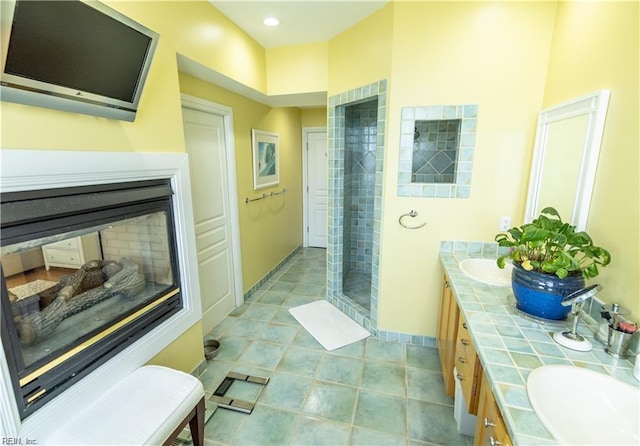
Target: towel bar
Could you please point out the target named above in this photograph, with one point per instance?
(265, 195)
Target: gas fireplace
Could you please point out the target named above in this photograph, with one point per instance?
(86, 271)
(95, 270)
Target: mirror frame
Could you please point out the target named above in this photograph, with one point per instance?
(594, 105)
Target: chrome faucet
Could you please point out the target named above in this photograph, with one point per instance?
(572, 339)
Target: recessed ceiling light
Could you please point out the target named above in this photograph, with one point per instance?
(271, 21)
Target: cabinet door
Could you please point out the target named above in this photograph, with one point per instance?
(447, 331)
(490, 430)
(468, 367)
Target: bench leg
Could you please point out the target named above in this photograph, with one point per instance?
(196, 425)
(195, 419)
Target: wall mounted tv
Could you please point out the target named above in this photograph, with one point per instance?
(76, 56)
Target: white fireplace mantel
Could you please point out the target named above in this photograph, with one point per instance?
(22, 170)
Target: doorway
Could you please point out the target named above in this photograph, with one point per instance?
(208, 130)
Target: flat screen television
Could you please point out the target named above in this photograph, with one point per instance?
(76, 56)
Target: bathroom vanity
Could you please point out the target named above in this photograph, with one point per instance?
(495, 347)
(456, 349)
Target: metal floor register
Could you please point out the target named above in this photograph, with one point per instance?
(219, 400)
(234, 404)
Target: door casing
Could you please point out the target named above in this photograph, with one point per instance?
(234, 216)
(305, 180)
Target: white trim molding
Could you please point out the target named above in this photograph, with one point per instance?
(230, 150)
(305, 180)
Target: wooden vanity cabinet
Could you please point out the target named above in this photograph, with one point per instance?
(447, 334)
(456, 349)
(468, 367)
(490, 429)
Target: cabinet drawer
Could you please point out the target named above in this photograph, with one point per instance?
(62, 256)
(69, 244)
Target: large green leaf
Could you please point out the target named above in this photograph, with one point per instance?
(549, 245)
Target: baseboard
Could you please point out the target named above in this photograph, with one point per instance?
(270, 274)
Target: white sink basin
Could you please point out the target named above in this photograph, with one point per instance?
(579, 406)
(486, 271)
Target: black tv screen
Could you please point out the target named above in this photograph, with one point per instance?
(85, 52)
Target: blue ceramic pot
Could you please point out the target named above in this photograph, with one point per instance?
(540, 294)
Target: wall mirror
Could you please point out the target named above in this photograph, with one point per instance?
(436, 151)
(565, 158)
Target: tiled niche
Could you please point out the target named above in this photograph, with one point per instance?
(436, 151)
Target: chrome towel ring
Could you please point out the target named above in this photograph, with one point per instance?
(412, 213)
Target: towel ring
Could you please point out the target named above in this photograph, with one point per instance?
(412, 213)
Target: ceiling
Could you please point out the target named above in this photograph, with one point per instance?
(301, 21)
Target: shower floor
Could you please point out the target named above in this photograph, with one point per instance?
(357, 287)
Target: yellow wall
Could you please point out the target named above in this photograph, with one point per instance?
(491, 54)
(185, 353)
(314, 117)
(595, 46)
(270, 229)
(361, 55)
(202, 33)
(194, 29)
(157, 128)
(297, 69)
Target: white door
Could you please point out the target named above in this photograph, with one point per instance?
(206, 146)
(317, 188)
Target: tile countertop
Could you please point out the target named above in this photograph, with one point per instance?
(510, 344)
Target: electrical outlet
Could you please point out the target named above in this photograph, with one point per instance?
(505, 223)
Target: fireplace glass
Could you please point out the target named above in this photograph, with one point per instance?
(80, 289)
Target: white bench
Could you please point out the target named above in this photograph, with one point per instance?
(149, 407)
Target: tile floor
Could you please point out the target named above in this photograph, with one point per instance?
(367, 393)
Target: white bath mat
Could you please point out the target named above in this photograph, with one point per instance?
(328, 325)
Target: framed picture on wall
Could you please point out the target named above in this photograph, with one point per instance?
(266, 159)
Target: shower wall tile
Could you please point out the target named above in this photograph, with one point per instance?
(359, 213)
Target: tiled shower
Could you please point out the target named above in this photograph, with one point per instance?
(357, 120)
(359, 189)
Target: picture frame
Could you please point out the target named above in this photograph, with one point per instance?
(266, 158)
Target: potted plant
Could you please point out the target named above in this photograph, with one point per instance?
(551, 260)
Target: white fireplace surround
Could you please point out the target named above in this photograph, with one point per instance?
(22, 170)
